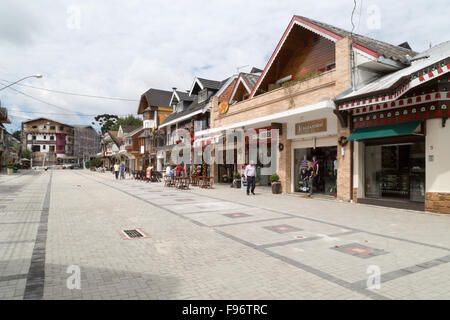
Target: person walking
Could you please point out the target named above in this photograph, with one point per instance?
(116, 170)
(122, 171)
(250, 173)
(178, 170)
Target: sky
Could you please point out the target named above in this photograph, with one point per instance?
(122, 48)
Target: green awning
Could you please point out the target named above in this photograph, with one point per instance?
(389, 130)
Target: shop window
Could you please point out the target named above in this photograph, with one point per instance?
(325, 181)
(395, 171)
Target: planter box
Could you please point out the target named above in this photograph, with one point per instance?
(276, 187)
(237, 183)
(10, 171)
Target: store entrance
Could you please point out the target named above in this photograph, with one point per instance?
(325, 182)
(395, 171)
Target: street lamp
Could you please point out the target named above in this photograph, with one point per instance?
(33, 76)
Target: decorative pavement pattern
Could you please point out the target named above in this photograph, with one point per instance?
(208, 244)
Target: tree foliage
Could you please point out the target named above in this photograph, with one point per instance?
(96, 162)
(27, 154)
(129, 120)
(17, 134)
(106, 121)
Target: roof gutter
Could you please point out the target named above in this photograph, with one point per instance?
(180, 119)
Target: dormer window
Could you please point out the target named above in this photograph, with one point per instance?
(203, 95)
(180, 106)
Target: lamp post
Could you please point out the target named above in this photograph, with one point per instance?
(11, 84)
(38, 76)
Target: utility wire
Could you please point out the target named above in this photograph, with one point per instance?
(67, 114)
(71, 113)
(73, 93)
(351, 19)
(42, 101)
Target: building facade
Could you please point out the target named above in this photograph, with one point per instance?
(51, 142)
(87, 142)
(310, 66)
(399, 135)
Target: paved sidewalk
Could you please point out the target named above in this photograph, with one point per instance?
(210, 244)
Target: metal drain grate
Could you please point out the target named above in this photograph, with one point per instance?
(133, 233)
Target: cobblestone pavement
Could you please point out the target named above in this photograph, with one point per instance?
(208, 244)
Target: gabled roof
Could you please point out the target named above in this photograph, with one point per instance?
(206, 83)
(370, 46)
(128, 129)
(32, 120)
(210, 84)
(114, 137)
(180, 96)
(145, 134)
(155, 98)
(247, 80)
(430, 57)
(380, 48)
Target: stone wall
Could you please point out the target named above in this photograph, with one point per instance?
(438, 202)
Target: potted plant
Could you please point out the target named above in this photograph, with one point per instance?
(237, 180)
(9, 168)
(276, 184)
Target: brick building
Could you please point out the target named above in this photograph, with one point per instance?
(310, 66)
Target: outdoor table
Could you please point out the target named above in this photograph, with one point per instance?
(205, 182)
(182, 182)
(194, 180)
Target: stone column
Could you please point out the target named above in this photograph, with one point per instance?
(284, 162)
(345, 174)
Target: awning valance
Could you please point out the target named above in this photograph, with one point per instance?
(389, 130)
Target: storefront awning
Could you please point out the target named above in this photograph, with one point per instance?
(265, 120)
(389, 130)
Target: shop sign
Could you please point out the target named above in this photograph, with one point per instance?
(313, 126)
(223, 107)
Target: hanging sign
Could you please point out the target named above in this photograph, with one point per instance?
(313, 126)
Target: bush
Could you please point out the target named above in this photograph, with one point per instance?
(10, 165)
(96, 162)
(274, 178)
(237, 176)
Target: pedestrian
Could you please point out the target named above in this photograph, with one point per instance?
(148, 172)
(122, 171)
(116, 170)
(250, 173)
(178, 170)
